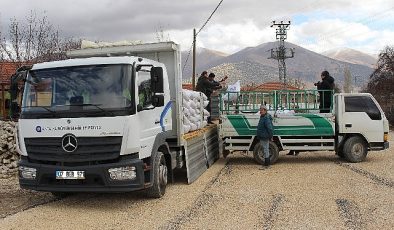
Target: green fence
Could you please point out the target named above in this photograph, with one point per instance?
(300, 101)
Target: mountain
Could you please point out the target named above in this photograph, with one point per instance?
(203, 58)
(351, 56)
(252, 65)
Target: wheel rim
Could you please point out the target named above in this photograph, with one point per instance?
(163, 174)
(358, 149)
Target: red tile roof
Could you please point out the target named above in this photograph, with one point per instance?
(269, 86)
(187, 86)
(7, 68)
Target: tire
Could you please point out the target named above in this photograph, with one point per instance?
(355, 149)
(340, 153)
(160, 177)
(258, 153)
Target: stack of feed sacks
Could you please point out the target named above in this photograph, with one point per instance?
(9, 157)
(195, 115)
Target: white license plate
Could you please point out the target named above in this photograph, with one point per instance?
(70, 175)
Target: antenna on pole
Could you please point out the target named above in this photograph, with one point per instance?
(281, 53)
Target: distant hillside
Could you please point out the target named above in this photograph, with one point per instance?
(252, 65)
(204, 58)
(247, 72)
(351, 56)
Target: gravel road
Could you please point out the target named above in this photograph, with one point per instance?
(310, 191)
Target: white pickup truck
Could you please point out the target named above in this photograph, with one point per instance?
(355, 124)
(109, 120)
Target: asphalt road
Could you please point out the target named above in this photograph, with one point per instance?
(314, 190)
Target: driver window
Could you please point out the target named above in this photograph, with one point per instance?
(144, 89)
(41, 95)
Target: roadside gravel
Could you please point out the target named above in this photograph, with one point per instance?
(315, 190)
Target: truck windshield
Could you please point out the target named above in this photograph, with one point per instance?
(94, 90)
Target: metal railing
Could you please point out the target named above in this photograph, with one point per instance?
(299, 101)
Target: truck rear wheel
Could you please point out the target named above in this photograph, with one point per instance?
(355, 149)
(160, 177)
(258, 154)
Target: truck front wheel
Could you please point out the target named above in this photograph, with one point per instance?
(160, 177)
(355, 149)
(258, 154)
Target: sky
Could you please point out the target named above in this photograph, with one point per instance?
(320, 25)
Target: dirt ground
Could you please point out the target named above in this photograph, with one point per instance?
(315, 190)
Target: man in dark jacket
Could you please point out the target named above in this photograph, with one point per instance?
(326, 86)
(265, 132)
(206, 86)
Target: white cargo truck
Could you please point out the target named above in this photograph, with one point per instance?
(354, 125)
(109, 119)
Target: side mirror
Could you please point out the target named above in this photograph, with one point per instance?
(158, 100)
(19, 76)
(157, 81)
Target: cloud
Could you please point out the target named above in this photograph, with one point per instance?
(325, 35)
(317, 24)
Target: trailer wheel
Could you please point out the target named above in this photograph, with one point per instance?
(160, 177)
(259, 156)
(355, 149)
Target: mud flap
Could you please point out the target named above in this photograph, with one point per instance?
(201, 151)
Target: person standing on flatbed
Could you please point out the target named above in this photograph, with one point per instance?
(325, 88)
(206, 86)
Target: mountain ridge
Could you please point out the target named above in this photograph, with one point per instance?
(252, 64)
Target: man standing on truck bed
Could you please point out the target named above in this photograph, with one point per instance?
(265, 133)
(206, 86)
(325, 85)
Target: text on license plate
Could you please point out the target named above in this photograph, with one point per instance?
(70, 174)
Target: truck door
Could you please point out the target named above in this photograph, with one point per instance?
(148, 115)
(362, 114)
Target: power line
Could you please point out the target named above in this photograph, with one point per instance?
(209, 18)
(202, 27)
(187, 57)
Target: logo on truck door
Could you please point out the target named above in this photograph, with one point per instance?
(69, 143)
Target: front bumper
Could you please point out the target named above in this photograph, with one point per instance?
(96, 177)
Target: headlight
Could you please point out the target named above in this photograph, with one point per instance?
(122, 173)
(27, 173)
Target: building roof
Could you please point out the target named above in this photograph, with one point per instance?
(7, 69)
(269, 86)
(187, 86)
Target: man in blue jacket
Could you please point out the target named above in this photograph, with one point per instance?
(265, 132)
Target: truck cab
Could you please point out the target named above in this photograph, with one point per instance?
(361, 125)
(95, 124)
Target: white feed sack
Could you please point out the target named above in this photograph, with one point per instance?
(195, 115)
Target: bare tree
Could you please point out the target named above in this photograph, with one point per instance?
(34, 40)
(347, 85)
(297, 83)
(161, 35)
(381, 82)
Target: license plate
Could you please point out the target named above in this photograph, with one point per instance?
(70, 175)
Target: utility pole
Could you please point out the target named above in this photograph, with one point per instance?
(281, 53)
(194, 60)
